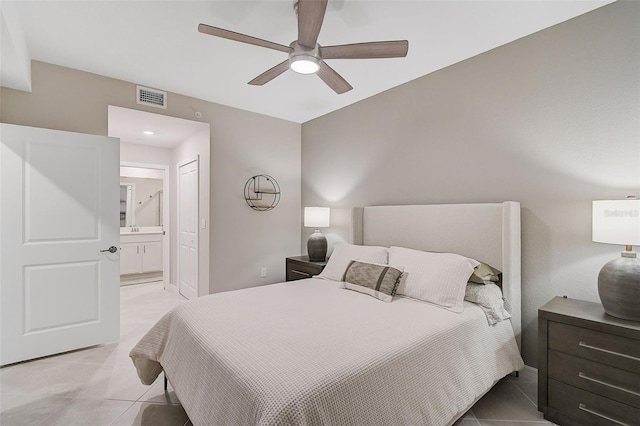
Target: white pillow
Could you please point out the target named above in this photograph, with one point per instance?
(344, 253)
(437, 278)
(489, 298)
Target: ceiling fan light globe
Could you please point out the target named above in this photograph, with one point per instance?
(304, 65)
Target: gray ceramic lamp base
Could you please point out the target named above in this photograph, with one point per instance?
(619, 287)
(317, 247)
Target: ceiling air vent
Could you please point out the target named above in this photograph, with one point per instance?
(151, 97)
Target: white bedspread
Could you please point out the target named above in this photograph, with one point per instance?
(309, 353)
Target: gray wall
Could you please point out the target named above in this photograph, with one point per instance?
(551, 120)
(242, 143)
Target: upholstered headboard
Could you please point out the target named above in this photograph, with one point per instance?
(488, 232)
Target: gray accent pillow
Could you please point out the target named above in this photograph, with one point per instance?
(485, 274)
(489, 298)
(379, 281)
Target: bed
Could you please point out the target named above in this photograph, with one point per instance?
(309, 352)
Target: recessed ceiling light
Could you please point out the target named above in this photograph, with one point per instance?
(148, 132)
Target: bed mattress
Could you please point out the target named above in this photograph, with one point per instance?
(309, 353)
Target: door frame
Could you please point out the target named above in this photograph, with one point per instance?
(195, 159)
(166, 216)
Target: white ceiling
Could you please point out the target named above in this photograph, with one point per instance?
(129, 125)
(156, 44)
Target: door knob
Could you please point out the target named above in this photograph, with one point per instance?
(111, 249)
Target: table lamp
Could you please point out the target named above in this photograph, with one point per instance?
(316, 217)
(618, 222)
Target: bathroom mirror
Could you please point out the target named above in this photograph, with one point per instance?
(140, 201)
(126, 205)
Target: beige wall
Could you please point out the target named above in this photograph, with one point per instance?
(241, 142)
(248, 239)
(551, 120)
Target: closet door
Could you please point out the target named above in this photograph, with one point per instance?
(188, 228)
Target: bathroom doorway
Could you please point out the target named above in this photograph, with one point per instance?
(158, 141)
(144, 223)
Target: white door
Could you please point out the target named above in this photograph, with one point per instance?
(188, 228)
(59, 193)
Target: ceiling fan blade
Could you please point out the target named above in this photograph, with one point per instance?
(374, 49)
(243, 38)
(269, 75)
(333, 79)
(310, 17)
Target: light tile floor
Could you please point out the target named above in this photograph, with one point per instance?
(99, 386)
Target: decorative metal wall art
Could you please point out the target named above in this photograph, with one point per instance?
(262, 192)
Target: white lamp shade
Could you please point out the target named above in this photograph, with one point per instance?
(316, 217)
(616, 222)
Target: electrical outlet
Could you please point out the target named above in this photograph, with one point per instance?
(263, 272)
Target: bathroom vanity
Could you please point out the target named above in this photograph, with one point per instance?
(140, 250)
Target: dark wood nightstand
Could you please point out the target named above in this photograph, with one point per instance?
(300, 267)
(589, 365)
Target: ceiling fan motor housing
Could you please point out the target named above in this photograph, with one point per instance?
(303, 59)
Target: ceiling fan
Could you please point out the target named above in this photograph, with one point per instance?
(306, 56)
